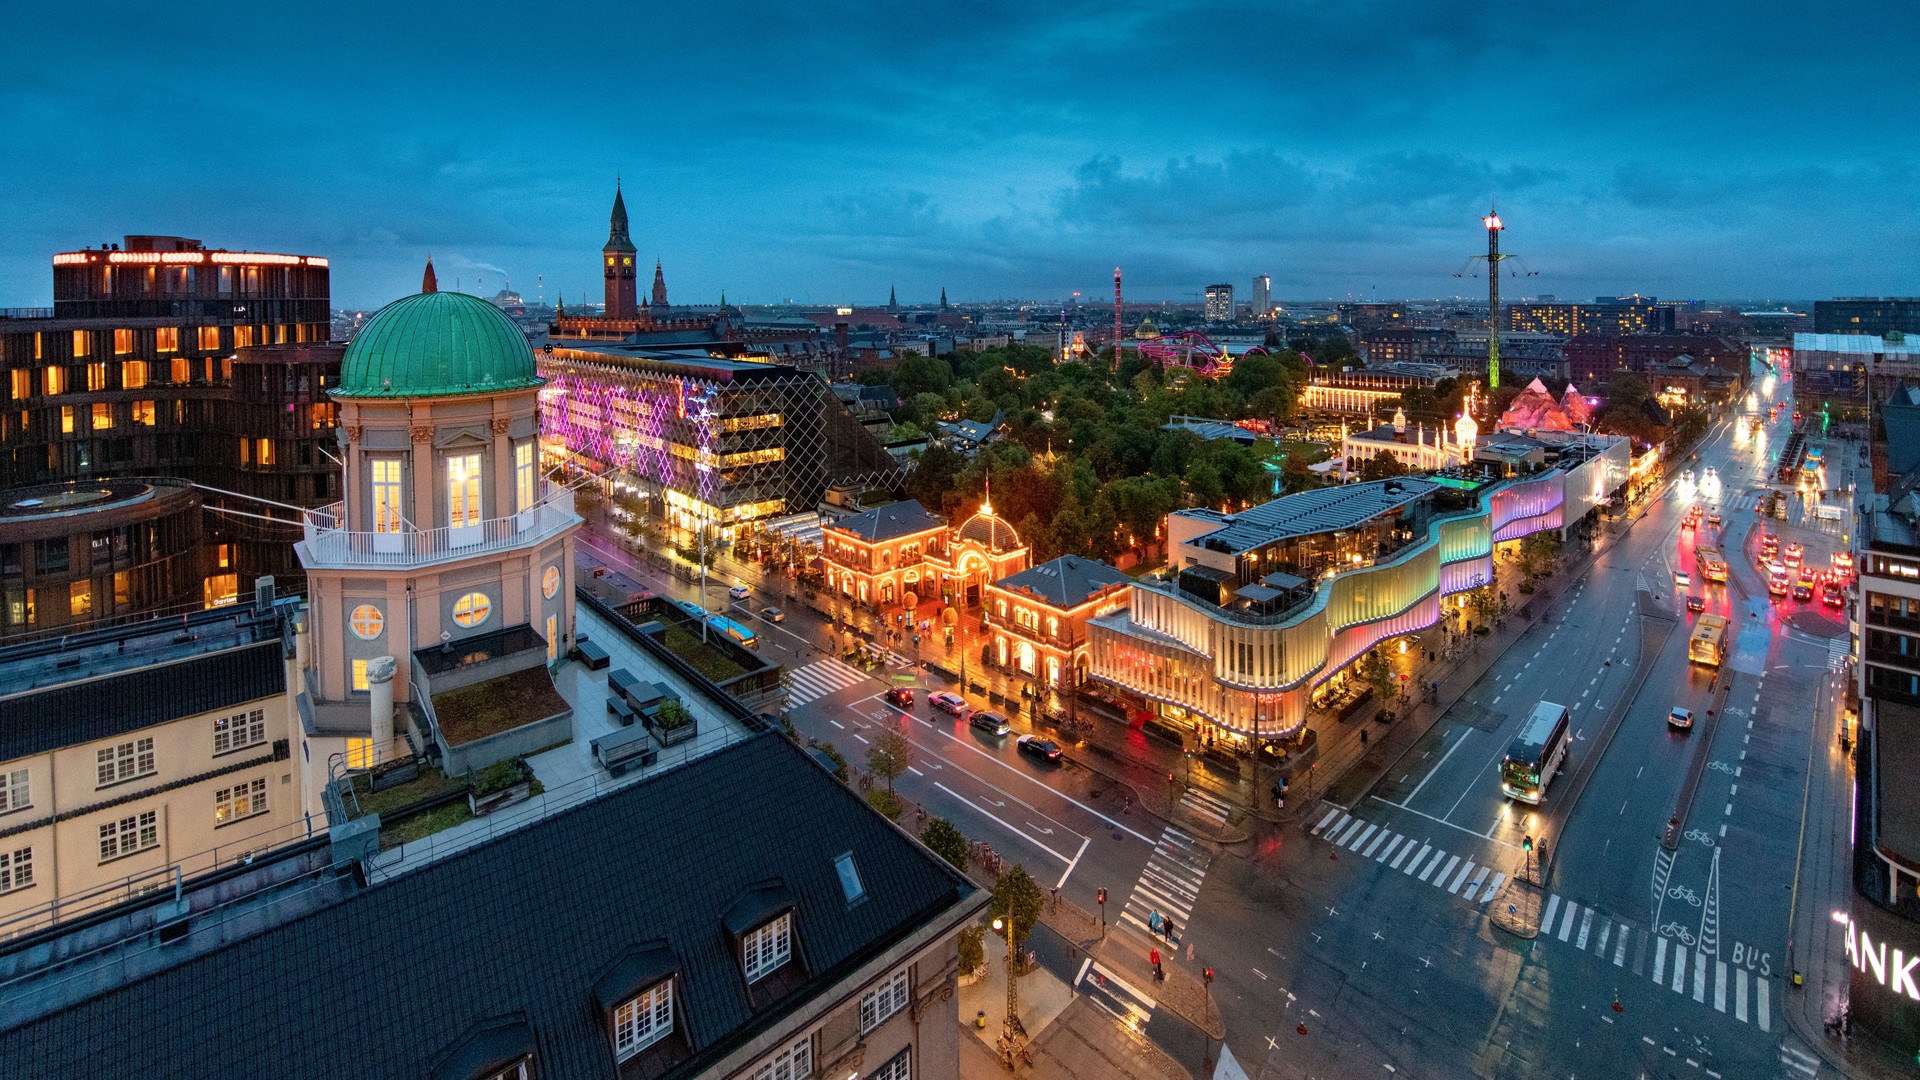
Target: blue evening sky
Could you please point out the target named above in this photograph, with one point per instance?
(821, 152)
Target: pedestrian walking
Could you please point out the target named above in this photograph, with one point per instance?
(1153, 921)
(1154, 956)
(1166, 927)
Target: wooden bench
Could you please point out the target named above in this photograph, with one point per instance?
(625, 749)
(591, 652)
(620, 683)
(620, 710)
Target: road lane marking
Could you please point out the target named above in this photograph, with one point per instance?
(1350, 830)
(1010, 827)
(1700, 977)
(1362, 838)
(1424, 848)
(1443, 762)
(1404, 852)
(1388, 850)
(1436, 860)
(950, 736)
(1460, 879)
(1553, 904)
(1566, 920)
(1084, 841)
(1586, 927)
(1762, 1012)
(1368, 854)
(1740, 994)
(1720, 985)
(1323, 821)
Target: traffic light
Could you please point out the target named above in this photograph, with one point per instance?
(1100, 897)
(1169, 778)
(1208, 975)
(1526, 843)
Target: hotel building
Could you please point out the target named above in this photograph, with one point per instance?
(881, 557)
(1036, 620)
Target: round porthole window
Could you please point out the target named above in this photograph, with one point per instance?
(472, 609)
(366, 622)
(550, 582)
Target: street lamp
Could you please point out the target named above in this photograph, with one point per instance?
(1012, 1035)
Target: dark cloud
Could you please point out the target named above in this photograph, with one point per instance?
(824, 152)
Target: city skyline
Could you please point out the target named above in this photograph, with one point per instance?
(1343, 152)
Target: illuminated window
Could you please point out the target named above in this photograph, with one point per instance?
(550, 582)
(129, 834)
(143, 413)
(553, 639)
(359, 753)
(97, 376)
(239, 731)
(463, 489)
(472, 609)
(280, 334)
(81, 344)
(226, 281)
(359, 674)
(263, 452)
(181, 370)
(80, 598)
(167, 339)
(122, 343)
(387, 515)
(210, 337)
(39, 347)
(243, 800)
(793, 1063)
(22, 383)
(124, 762)
(645, 1020)
(133, 374)
(523, 475)
(102, 416)
(242, 336)
(367, 622)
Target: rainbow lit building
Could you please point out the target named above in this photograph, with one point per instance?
(1259, 611)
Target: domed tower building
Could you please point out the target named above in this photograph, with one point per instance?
(449, 562)
(984, 549)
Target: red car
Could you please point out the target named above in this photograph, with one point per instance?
(901, 696)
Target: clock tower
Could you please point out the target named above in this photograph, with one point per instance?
(617, 262)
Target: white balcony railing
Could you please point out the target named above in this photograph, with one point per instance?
(328, 544)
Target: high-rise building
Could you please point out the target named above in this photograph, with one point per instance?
(1867, 315)
(1633, 315)
(161, 357)
(1262, 299)
(1220, 303)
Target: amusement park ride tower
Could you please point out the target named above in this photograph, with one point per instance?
(1493, 257)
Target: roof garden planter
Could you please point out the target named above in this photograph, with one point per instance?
(390, 774)
(671, 723)
(499, 786)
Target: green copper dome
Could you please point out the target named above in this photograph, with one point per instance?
(436, 344)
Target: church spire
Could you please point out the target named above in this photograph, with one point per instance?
(893, 299)
(659, 285)
(428, 283)
(943, 298)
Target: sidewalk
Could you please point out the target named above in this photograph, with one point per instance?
(1083, 1044)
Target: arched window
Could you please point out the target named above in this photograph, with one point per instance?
(472, 609)
(366, 622)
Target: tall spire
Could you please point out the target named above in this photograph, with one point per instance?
(659, 285)
(893, 299)
(427, 281)
(943, 298)
(617, 238)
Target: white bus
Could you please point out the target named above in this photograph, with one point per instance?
(1536, 754)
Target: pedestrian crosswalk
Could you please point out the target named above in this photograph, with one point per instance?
(1798, 1062)
(820, 678)
(1210, 807)
(1799, 510)
(1170, 884)
(1838, 652)
(1453, 873)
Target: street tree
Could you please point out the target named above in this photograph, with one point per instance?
(944, 840)
(1016, 891)
(1376, 672)
(889, 756)
(1484, 603)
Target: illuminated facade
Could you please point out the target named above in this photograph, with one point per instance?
(1036, 620)
(132, 373)
(709, 443)
(902, 554)
(1259, 610)
(1610, 320)
(1220, 303)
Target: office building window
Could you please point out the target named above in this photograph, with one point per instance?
(16, 869)
(143, 413)
(133, 374)
(209, 339)
(645, 1020)
(472, 609)
(167, 339)
(53, 379)
(97, 376)
(81, 344)
(883, 1001)
(16, 791)
(225, 283)
(239, 731)
(129, 834)
(359, 753)
(102, 416)
(243, 800)
(523, 475)
(180, 370)
(463, 489)
(242, 336)
(387, 514)
(22, 380)
(79, 598)
(768, 947)
(124, 762)
(122, 343)
(66, 419)
(793, 1063)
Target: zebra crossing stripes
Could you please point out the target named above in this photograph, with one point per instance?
(1838, 653)
(1677, 964)
(820, 678)
(1211, 807)
(1170, 883)
(1798, 1061)
(1452, 873)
